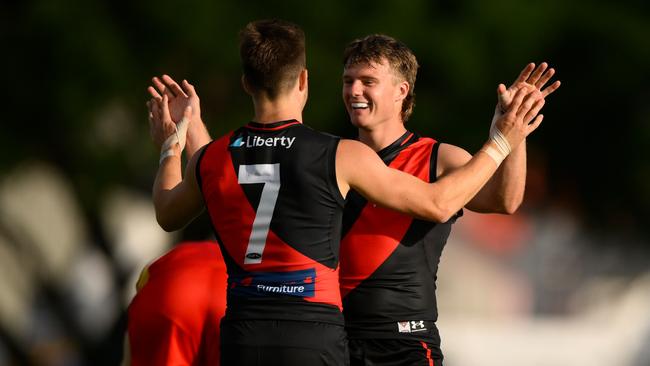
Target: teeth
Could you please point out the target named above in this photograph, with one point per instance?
(359, 105)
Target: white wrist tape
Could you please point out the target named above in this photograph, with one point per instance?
(503, 148)
(494, 154)
(165, 154)
(179, 137)
(500, 140)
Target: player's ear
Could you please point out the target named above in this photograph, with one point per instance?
(303, 79)
(402, 90)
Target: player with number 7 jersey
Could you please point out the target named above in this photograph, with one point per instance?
(276, 208)
(280, 198)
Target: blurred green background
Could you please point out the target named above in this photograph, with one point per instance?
(74, 86)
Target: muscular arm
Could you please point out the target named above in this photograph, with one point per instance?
(176, 200)
(504, 192)
(394, 189)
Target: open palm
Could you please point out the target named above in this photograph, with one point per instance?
(178, 98)
(530, 77)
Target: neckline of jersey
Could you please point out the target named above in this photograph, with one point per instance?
(403, 141)
(273, 126)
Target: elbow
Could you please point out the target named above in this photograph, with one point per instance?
(510, 209)
(511, 206)
(162, 208)
(167, 228)
(446, 216)
(165, 223)
(440, 214)
(165, 220)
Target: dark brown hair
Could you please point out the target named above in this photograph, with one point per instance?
(272, 54)
(377, 47)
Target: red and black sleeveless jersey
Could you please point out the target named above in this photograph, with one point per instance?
(276, 209)
(389, 260)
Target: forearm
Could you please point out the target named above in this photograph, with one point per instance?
(197, 137)
(168, 177)
(504, 192)
(511, 180)
(452, 191)
(437, 201)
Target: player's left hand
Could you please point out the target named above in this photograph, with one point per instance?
(530, 77)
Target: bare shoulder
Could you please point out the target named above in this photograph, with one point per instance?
(346, 145)
(353, 152)
(356, 165)
(451, 157)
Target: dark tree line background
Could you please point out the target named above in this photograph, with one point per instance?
(75, 73)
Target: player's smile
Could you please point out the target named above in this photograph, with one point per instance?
(359, 105)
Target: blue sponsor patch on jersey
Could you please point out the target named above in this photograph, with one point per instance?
(294, 283)
(239, 142)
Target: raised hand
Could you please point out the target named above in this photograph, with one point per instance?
(167, 135)
(178, 96)
(176, 99)
(530, 77)
(521, 118)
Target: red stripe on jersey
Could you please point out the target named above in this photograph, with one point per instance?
(378, 231)
(232, 216)
(428, 353)
(406, 139)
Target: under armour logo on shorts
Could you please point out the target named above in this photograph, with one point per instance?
(411, 326)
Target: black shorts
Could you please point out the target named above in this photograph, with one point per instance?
(282, 343)
(394, 352)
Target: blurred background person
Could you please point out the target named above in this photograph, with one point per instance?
(174, 317)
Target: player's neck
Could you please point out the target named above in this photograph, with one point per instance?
(382, 136)
(276, 116)
(283, 108)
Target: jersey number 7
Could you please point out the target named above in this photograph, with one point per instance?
(269, 175)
